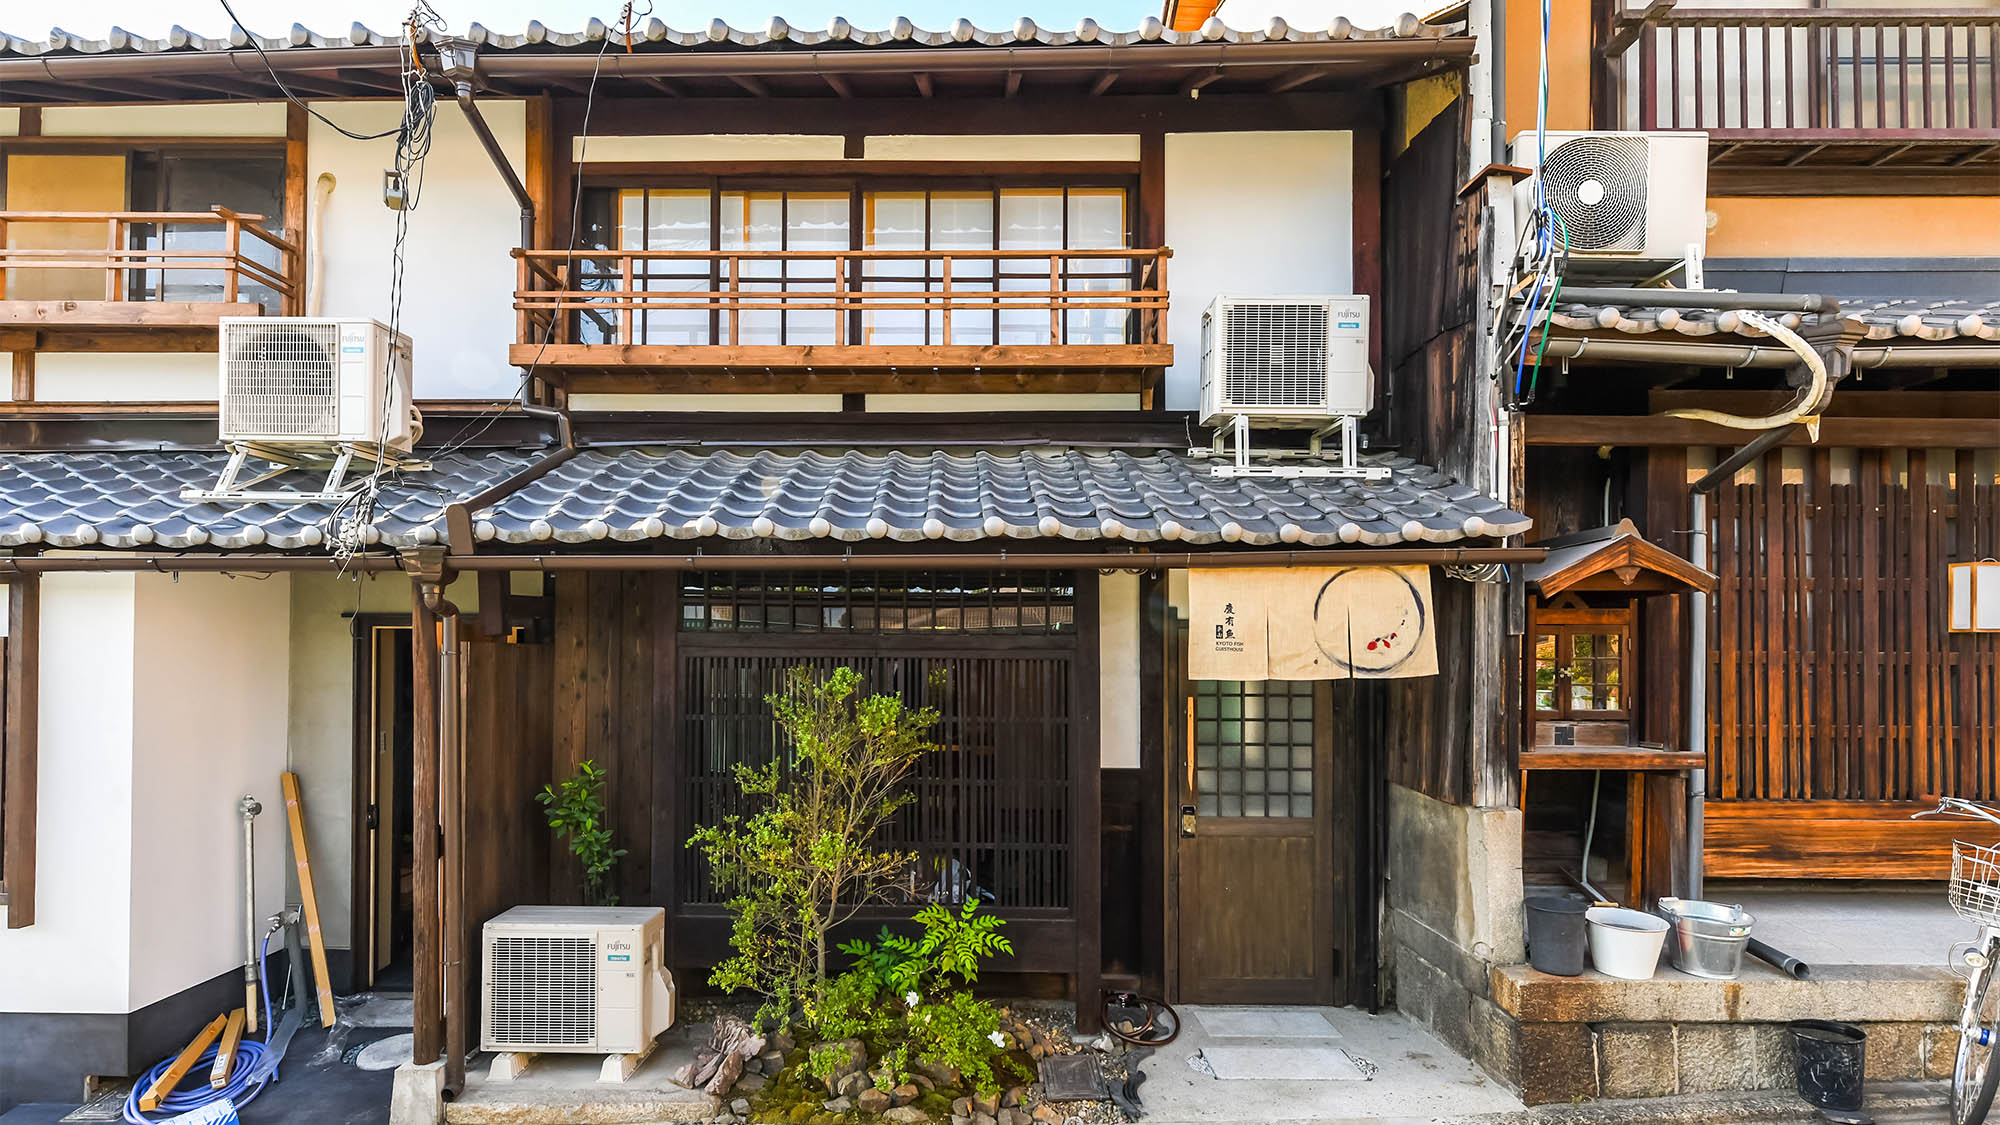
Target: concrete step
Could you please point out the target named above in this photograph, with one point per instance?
(1890, 1103)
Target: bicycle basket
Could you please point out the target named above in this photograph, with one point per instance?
(1975, 883)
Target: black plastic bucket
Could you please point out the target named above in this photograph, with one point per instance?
(1829, 1059)
(1556, 935)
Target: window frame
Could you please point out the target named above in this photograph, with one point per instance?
(1564, 627)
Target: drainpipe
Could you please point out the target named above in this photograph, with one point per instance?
(1697, 696)
(461, 68)
(316, 285)
(249, 807)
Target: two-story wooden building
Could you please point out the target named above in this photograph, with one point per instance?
(736, 349)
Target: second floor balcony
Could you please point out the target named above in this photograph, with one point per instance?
(167, 275)
(1910, 89)
(839, 320)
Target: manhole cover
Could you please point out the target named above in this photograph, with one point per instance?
(1073, 1078)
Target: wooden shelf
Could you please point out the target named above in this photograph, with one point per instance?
(1610, 758)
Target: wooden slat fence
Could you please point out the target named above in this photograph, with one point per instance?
(1832, 674)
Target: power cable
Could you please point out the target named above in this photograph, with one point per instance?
(287, 91)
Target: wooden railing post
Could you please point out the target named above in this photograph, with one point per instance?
(734, 301)
(232, 235)
(1055, 298)
(3, 251)
(840, 301)
(945, 314)
(112, 290)
(625, 298)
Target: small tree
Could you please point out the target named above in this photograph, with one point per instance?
(807, 859)
(577, 811)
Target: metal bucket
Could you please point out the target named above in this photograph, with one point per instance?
(1707, 938)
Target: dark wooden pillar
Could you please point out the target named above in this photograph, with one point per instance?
(17, 742)
(667, 830)
(1368, 234)
(1154, 698)
(1087, 810)
(427, 987)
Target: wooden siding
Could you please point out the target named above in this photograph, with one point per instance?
(1832, 676)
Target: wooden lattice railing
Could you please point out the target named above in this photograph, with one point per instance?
(1843, 74)
(123, 264)
(835, 297)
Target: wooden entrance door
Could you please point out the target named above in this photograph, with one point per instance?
(1254, 842)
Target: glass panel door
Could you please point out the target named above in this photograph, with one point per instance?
(1253, 748)
(672, 220)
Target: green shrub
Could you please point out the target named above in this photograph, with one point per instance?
(578, 811)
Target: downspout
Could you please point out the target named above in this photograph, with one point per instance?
(316, 285)
(1697, 696)
(460, 58)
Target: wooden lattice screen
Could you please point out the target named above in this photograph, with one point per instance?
(993, 807)
(1832, 674)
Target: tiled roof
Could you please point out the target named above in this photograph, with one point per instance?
(132, 500)
(1883, 318)
(655, 34)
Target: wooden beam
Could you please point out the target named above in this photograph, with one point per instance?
(540, 166)
(838, 85)
(21, 718)
(755, 86)
(109, 314)
(24, 375)
(31, 121)
(924, 85)
(1296, 79)
(1848, 402)
(1193, 84)
(1629, 26)
(171, 1077)
(225, 1051)
(1103, 83)
(1367, 176)
(427, 986)
(1863, 433)
(295, 206)
(302, 863)
(1013, 84)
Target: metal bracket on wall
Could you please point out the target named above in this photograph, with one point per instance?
(1348, 465)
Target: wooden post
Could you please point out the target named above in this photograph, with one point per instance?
(232, 228)
(294, 217)
(1368, 234)
(945, 314)
(24, 373)
(451, 817)
(3, 247)
(112, 290)
(225, 1052)
(24, 677)
(1055, 304)
(1087, 810)
(171, 1077)
(295, 818)
(427, 1025)
(625, 298)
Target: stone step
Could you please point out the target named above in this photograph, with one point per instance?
(1890, 1103)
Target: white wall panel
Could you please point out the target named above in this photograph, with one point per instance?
(1080, 146)
(1118, 669)
(710, 147)
(213, 119)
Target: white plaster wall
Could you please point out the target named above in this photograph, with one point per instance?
(1252, 214)
(76, 957)
(125, 377)
(458, 275)
(214, 119)
(210, 655)
(10, 121)
(1118, 669)
(1081, 146)
(701, 146)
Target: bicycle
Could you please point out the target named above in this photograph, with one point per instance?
(1974, 894)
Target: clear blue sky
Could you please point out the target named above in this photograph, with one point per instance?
(92, 18)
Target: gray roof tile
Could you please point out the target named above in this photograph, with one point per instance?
(132, 500)
(1881, 318)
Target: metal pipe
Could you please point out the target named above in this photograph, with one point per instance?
(1702, 299)
(499, 157)
(451, 817)
(1147, 560)
(316, 284)
(248, 808)
(1625, 349)
(1697, 696)
(1749, 451)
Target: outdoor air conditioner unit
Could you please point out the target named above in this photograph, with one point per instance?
(577, 979)
(313, 382)
(1619, 196)
(1285, 360)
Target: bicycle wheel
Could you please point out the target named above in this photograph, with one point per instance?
(1975, 1076)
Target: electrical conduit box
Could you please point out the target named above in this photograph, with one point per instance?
(575, 979)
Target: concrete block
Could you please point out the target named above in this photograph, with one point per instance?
(417, 1095)
(1497, 1044)
(1636, 1060)
(1558, 1063)
(1863, 994)
(1711, 1057)
(1895, 1051)
(1771, 1044)
(1940, 1050)
(1417, 985)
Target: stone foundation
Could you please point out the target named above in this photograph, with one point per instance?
(1556, 1039)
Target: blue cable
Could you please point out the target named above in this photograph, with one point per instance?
(246, 1080)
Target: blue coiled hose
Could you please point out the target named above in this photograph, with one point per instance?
(246, 1080)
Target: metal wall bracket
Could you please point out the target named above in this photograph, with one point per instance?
(1234, 442)
(335, 461)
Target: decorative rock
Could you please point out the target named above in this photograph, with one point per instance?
(907, 1115)
(740, 1107)
(837, 1105)
(783, 1043)
(904, 1094)
(871, 1100)
(988, 1104)
(1012, 1097)
(943, 1075)
(924, 1082)
(984, 1119)
(961, 1119)
(962, 1107)
(773, 1060)
(1047, 1114)
(750, 1083)
(853, 1084)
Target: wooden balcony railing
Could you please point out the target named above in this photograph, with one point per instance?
(1833, 75)
(144, 277)
(995, 311)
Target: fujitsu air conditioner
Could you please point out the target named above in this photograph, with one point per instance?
(1634, 196)
(576, 979)
(292, 382)
(1285, 360)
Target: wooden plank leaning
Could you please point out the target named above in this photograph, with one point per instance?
(295, 816)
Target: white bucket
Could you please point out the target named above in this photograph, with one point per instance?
(1625, 943)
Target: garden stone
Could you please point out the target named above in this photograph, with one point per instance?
(907, 1115)
(904, 1094)
(924, 1082)
(988, 1104)
(871, 1100)
(853, 1083)
(962, 1107)
(984, 1119)
(751, 1083)
(961, 1119)
(1047, 1114)
(783, 1042)
(773, 1060)
(838, 1105)
(1012, 1097)
(941, 1074)
(740, 1107)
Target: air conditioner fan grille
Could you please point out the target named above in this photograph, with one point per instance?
(1598, 186)
(283, 381)
(1274, 355)
(543, 990)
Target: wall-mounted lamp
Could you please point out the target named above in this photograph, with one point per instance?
(1974, 596)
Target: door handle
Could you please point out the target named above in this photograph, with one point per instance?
(1187, 820)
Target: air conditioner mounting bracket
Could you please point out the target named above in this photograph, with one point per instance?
(1237, 434)
(335, 459)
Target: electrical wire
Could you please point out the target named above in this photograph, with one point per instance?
(287, 91)
(247, 1078)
